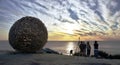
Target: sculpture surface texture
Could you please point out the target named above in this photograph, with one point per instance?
(28, 34)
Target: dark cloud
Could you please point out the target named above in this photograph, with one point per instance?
(62, 2)
(87, 22)
(78, 31)
(93, 23)
(80, 34)
(82, 11)
(39, 4)
(87, 34)
(115, 26)
(100, 33)
(92, 33)
(114, 6)
(94, 5)
(55, 24)
(101, 17)
(73, 14)
(65, 20)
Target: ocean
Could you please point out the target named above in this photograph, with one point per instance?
(64, 47)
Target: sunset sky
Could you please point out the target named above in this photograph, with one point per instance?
(66, 19)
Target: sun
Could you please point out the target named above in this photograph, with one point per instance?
(69, 28)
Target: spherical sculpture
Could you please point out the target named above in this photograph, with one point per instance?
(28, 34)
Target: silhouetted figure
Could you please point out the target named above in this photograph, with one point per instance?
(71, 52)
(82, 47)
(96, 49)
(88, 48)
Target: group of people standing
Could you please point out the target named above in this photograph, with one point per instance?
(85, 48)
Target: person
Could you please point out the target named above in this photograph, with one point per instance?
(81, 48)
(96, 49)
(84, 49)
(88, 48)
(71, 52)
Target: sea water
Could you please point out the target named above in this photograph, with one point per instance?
(64, 47)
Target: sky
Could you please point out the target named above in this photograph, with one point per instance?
(66, 20)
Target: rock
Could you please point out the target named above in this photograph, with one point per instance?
(28, 34)
(48, 50)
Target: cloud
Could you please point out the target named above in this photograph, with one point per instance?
(113, 5)
(89, 17)
(93, 33)
(115, 26)
(73, 15)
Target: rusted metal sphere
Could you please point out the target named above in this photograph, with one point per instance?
(28, 34)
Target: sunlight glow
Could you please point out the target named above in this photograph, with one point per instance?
(69, 47)
(66, 20)
(69, 28)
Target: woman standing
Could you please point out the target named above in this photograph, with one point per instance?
(88, 48)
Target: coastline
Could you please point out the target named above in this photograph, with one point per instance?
(52, 59)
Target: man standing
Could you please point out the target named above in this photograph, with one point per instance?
(84, 48)
(81, 48)
(96, 49)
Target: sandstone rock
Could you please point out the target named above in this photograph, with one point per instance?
(28, 34)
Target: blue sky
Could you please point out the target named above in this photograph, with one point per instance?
(66, 19)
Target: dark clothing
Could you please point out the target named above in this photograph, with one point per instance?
(71, 51)
(88, 49)
(88, 46)
(96, 49)
(82, 47)
(96, 45)
(88, 52)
